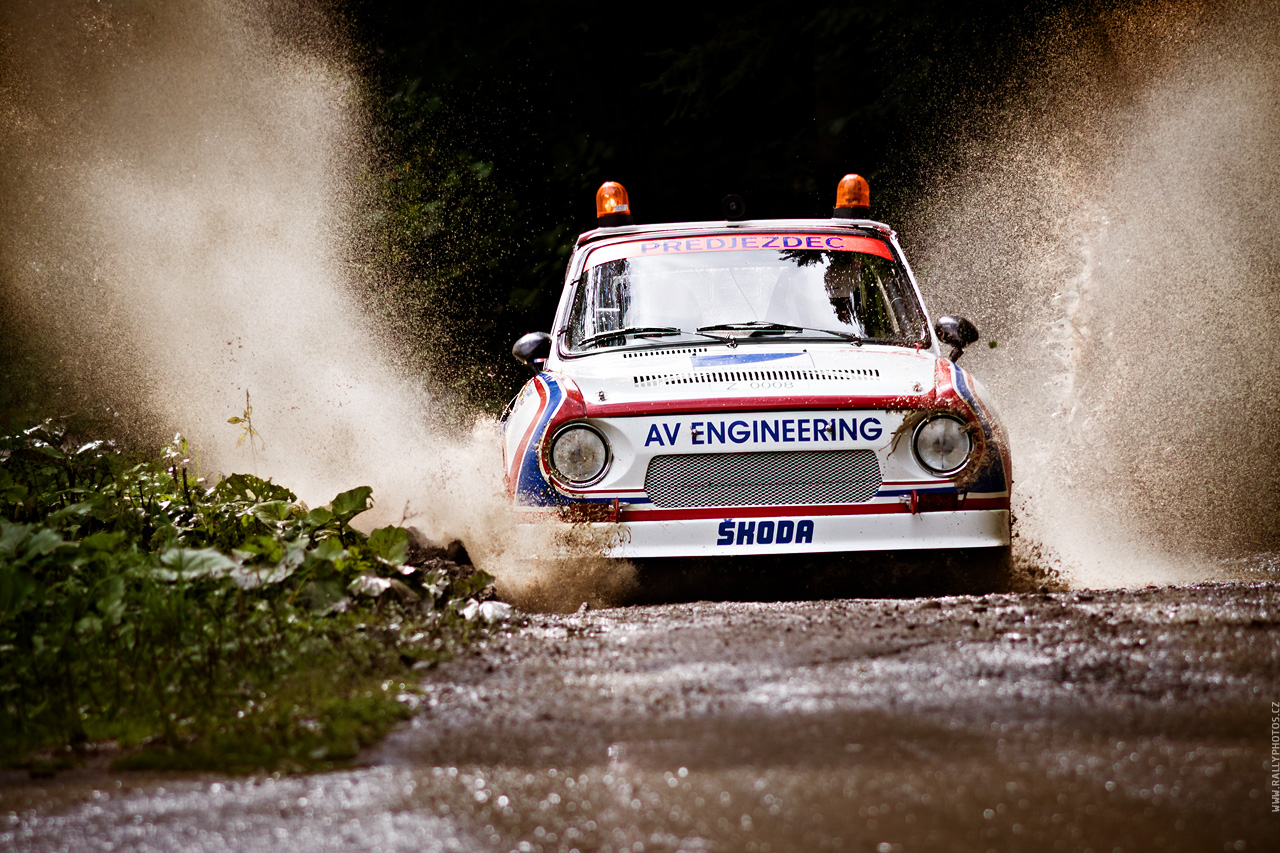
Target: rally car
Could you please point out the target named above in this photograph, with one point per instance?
(744, 387)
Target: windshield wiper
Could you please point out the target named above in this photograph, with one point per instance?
(848, 336)
(641, 331)
(750, 325)
(764, 326)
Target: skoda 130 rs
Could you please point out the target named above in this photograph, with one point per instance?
(745, 387)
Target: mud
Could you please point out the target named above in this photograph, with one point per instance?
(1085, 720)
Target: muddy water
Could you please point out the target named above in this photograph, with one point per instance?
(184, 216)
(1107, 218)
(1067, 721)
(181, 215)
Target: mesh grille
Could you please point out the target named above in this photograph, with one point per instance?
(789, 478)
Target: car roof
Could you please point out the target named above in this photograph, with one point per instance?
(749, 225)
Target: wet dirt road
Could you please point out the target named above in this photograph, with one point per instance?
(1109, 720)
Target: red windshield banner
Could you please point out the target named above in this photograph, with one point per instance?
(739, 242)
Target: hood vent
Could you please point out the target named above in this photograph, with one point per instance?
(718, 376)
(680, 351)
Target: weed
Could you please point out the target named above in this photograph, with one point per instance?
(245, 422)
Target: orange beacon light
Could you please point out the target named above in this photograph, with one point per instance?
(612, 206)
(853, 198)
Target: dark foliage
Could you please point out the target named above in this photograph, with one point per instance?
(500, 123)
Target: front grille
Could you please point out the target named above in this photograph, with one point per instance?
(789, 478)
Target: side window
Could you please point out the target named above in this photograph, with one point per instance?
(871, 303)
(602, 302)
(866, 294)
(612, 296)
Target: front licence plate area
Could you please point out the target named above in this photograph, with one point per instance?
(726, 534)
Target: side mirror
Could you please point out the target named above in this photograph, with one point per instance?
(533, 349)
(956, 332)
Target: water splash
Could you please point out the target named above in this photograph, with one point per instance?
(180, 219)
(1113, 227)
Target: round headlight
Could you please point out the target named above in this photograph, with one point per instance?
(943, 444)
(579, 454)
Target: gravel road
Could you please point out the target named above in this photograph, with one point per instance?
(1085, 720)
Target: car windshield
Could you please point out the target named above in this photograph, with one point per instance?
(754, 294)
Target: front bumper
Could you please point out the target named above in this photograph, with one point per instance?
(733, 534)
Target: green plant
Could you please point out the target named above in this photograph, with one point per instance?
(224, 626)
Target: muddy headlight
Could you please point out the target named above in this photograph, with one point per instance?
(942, 444)
(579, 455)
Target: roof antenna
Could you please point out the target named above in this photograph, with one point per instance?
(734, 207)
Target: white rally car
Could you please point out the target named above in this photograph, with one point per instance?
(754, 387)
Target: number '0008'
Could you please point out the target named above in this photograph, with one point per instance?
(779, 384)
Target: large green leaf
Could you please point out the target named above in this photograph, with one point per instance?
(272, 511)
(390, 543)
(328, 550)
(348, 505)
(246, 487)
(195, 562)
(319, 517)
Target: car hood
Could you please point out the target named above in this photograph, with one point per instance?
(711, 372)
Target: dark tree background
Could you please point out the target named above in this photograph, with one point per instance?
(499, 122)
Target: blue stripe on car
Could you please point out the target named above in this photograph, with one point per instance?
(991, 477)
(532, 488)
(740, 358)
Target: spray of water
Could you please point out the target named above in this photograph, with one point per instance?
(180, 211)
(179, 218)
(1113, 226)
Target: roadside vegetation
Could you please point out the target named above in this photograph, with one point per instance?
(171, 622)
